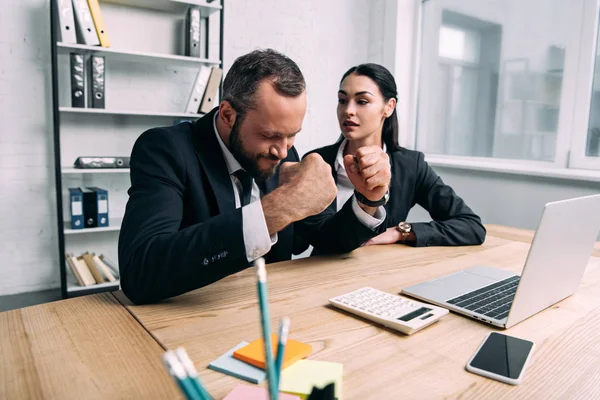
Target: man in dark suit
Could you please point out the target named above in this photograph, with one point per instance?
(208, 198)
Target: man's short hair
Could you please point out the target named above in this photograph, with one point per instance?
(248, 71)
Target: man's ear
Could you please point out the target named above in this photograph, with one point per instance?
(227, 114)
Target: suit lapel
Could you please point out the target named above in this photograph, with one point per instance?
(211, 157)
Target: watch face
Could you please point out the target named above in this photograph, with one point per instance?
(404, 227)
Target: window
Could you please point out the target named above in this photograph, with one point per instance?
(510, 79)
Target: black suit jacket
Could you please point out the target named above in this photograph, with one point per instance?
(415, 182)
(181, 230)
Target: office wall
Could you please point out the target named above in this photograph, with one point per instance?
(324, 37)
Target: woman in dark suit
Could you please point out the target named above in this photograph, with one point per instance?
(367, 116)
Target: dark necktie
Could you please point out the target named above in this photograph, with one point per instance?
(246, 181)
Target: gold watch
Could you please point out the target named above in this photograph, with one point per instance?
(404, 228)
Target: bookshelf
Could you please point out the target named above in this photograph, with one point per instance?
(136, 60)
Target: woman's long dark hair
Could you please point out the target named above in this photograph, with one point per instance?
(387, 86)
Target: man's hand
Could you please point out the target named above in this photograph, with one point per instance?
(305, 188)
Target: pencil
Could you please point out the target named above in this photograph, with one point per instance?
(265, 325)
(191, 372)
(284, 329)
(177, 371)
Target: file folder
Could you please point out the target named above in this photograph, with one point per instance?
(77, 81)
(85, 25)
(198, 90)
(97, 80)
(98, 22)
(209, 101)
(76, 207)
(66, 21)
(101, 206)
(192, 42)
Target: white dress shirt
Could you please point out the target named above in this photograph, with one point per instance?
(256, 234)
(346, 190)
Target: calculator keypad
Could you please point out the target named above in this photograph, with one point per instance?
(376, 302)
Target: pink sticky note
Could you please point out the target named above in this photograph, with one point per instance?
(246, 392)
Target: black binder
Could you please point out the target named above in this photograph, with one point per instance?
(77, 80)
(90, 208)
(192, 32)
(97, 81)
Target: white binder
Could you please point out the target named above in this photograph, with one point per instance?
(85, 23)
(66, 20)
(198, 90)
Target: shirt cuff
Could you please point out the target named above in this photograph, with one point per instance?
(367, 220)
(256, 234)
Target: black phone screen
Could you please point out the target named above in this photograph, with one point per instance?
(502, 355)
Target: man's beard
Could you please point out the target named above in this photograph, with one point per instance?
(248, 162)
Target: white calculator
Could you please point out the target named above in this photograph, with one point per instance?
(395, 312)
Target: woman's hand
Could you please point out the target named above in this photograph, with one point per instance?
(369, 171)
(391, 235)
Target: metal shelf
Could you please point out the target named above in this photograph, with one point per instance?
(128, 55)
(77, 171)
(75, 289)
(134, 113)
(114, 225)
(175, 6)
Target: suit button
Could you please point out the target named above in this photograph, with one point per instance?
(429, 243)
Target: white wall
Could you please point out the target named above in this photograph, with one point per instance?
(324, 37)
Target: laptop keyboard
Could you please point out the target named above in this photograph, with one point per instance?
(493, 300)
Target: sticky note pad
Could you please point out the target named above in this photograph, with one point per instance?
(254, 353)
(245, 392)
(236, 368)
(300, 378)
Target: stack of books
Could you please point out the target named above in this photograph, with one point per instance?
(91, 269)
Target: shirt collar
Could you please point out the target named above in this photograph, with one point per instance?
(232, 164)
(339, 158)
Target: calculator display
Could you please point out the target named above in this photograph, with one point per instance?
(414, 314)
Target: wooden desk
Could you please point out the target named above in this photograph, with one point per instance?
(380, 363)
(85, 348)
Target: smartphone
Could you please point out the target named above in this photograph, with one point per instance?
(502, 357)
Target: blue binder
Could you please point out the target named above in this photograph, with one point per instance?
(76, 206)
(102, 206)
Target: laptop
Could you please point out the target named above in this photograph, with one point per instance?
(557, 258)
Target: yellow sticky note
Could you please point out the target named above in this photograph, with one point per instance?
(299, 378)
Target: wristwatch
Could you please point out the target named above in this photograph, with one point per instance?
(381, 202)
(405, 228)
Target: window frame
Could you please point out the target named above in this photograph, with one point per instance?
(583, 100)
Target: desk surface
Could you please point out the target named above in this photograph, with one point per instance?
(380, 363)
(84, 348)
(92, 347)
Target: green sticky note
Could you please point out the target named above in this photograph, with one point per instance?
(300, 377)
